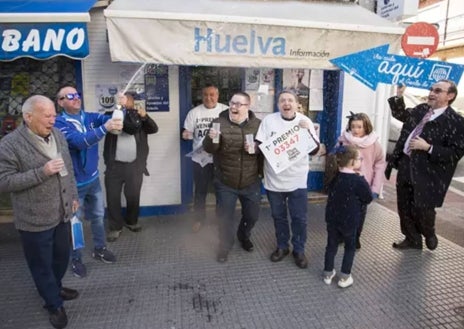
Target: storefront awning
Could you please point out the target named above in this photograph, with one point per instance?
(245, 33)
(44, 28)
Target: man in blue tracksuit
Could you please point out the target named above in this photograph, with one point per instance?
(83, 130)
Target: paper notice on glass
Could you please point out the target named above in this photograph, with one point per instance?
(287, 147)
(317, 79)
(316, 101)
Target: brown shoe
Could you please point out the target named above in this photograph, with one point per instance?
(196, 227)
(300, 260)
(58, 318)
(279, 254)
(68, 293)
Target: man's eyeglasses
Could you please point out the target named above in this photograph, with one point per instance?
(71, 96)
(236, 104)
(437, 90)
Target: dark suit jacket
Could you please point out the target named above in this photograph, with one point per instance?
(431, 174)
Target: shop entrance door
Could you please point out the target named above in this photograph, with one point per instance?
(227, 79)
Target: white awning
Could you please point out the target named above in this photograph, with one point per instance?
(278, 34)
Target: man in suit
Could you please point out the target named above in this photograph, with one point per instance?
(429, 147)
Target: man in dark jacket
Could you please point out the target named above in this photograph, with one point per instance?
(125, 158)
(236, 169)
(426, 154)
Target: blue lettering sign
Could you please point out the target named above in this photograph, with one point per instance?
(212, 42)
(43, 40)
(375, 65)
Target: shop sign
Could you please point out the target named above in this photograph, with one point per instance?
(375, 65)
(43, 41)
(230, 44)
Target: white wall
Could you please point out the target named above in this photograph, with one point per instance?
(163, 186)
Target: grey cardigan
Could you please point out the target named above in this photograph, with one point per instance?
(39, 202)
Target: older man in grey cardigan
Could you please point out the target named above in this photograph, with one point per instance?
(44, 198)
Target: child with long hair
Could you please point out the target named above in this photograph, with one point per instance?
(348, 193)
(360, 132)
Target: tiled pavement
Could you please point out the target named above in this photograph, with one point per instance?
(167, 278)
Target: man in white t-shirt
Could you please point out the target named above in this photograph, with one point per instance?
(195, 128)
(287, 191)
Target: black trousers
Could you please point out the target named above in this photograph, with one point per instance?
(416, 219)
(126, 178)
(202, 177)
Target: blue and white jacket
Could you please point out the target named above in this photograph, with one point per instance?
(83, 132)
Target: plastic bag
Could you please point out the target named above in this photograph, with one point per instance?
(77, 233)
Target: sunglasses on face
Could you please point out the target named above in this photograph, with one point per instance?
(71, 96)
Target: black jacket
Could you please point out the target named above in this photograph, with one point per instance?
(133, 125)
(431, 173)
(347, 194)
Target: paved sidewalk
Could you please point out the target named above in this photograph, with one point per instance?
(167, 277)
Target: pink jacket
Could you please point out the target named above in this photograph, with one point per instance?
(373, 165)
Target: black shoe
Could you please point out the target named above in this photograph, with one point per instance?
(58, 318)
(247, 245)
(222, 256)
(68, 293)
(406, 244)
(279, 254)
(134, 228)
(431, 242)
(300, 260)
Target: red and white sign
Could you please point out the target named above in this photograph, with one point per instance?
(420, 40)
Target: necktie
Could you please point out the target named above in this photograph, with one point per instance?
(47, 139)
(418, 130)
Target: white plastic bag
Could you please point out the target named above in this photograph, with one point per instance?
(77, 233)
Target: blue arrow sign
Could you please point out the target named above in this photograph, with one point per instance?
(376, 65)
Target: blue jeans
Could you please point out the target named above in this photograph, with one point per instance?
(250, 198)
(335, 233)
(295, 202)
(47, 255)
(92, 208)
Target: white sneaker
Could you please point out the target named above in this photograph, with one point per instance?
(328, 278)
(344, 283)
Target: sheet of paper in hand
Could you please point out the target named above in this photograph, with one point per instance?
(287, 147)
